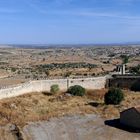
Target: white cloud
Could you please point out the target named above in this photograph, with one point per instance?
(85, 12)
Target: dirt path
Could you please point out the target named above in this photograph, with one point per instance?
(89, 127)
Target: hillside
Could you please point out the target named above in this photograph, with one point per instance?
(40, 107)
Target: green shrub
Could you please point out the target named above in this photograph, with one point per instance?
(54, 89)
(125, 59)
(136, 86)
(13, 69)
(77, 90)
(114, 96)
(135, 70)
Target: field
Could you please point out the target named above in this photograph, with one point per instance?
(18, 65)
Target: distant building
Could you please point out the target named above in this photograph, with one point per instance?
(126, 81)
(131, 117)
(121, 69)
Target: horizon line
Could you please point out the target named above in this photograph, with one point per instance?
(43, 44)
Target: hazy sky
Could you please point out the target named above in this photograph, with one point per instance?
(69, 21)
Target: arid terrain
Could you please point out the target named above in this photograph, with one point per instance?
(35, 116)
(18, 65)
(24, 110)
(69, 70)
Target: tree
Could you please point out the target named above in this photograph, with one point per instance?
(43, 59)
(125, 59)
(67, 74)
(13, 69)
(77, 90)
(114, 96)
(135, 70)
(136, 86)
(47, 72)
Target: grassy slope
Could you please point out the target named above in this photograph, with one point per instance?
(37, 106)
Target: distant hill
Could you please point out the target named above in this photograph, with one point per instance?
(43, 46)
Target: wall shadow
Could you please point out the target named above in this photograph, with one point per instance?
(47, 93)
(95, 104)
(116, 123)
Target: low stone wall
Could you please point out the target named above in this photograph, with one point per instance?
(123, 81)
(44, 85)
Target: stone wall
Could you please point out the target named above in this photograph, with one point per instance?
(123, 81)
(44, 85)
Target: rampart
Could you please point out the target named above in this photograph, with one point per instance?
(44, 85)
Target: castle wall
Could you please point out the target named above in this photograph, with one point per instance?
(44, 85)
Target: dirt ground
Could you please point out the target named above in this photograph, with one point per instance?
(88, 127)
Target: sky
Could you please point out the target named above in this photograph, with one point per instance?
(69, 21)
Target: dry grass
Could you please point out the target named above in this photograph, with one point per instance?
(96, 94)
(37, 106)
(5, 134)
